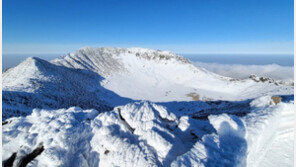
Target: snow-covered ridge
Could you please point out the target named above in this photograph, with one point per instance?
(145, 53)
(107, 61)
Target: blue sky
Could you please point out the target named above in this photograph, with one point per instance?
(192, 26)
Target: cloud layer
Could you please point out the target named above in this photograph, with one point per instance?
(277, 72)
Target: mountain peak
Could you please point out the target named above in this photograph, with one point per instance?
(30, 64)
(31, 60)
(34, 62)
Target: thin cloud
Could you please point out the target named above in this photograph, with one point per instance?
(277, 72)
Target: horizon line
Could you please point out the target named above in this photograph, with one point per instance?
(213, 53)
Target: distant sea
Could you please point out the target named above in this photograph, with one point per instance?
(11, 60)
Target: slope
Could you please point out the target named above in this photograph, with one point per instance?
(36, 83)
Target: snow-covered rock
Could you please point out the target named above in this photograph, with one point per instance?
(246, 141)
(147, 134)
(65, 135)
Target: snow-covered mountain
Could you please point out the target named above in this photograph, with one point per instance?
(36, 83)
(141, 107)
(143, 74)
(102, 78)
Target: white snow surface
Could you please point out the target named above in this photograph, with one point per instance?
(149, 134)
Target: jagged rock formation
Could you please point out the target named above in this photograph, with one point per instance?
(269, 80)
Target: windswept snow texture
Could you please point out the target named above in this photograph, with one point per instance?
(148, 134)
(141, 107)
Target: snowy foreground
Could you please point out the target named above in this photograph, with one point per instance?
(148, 134)
(139, 107)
